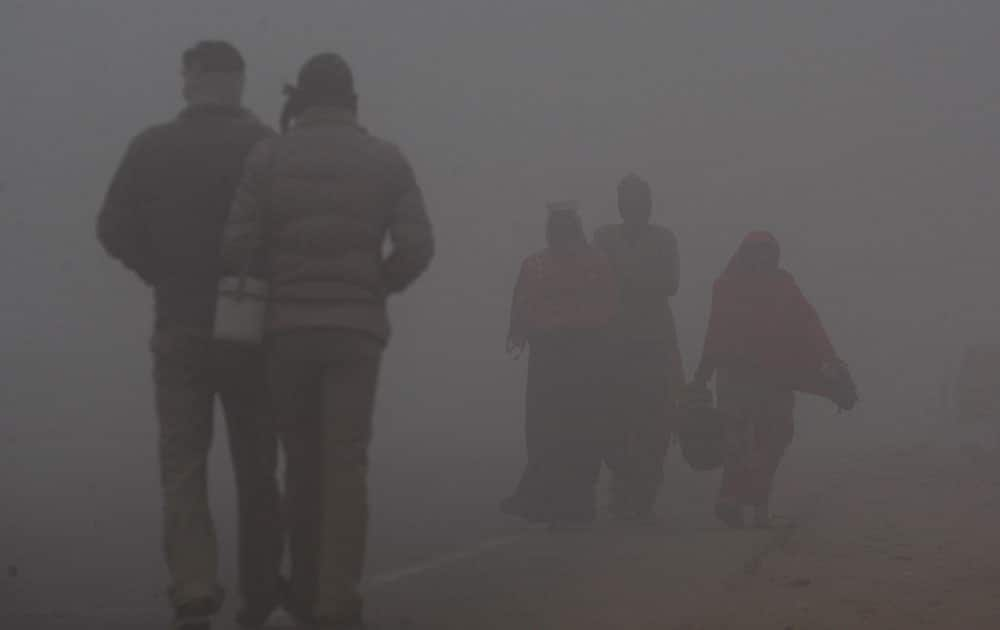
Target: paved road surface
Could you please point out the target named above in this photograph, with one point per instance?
(900, 534)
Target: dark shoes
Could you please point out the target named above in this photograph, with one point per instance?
(196, 614)
(518, 508)
(255, 614)
(567, 525)
(761, 517)
(730, 513)
(634, 516)
(350, 622)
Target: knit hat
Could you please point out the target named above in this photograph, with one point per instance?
(326, 76)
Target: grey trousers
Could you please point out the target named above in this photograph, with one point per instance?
(323, 384)
(190, 371)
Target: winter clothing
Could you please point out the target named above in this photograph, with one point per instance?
(312, 214)
(167, 204)
(562, 305)
(163, 218)
(330, 194)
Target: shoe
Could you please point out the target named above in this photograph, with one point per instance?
(620, 512)
(730, 513)
(196, 614)
(348, 622)
(254, 614)
(570, 525)
(762, 518)
(513, 506)
(300, 612)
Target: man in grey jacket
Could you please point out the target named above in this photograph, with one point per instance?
(163, 218)
(319, 204)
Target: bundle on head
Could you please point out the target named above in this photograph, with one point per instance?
(564, 228)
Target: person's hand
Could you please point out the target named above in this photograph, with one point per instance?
(702, 376)
(696, 393)
(698, 384)
(844, 392)
(516, 344)
(831, 369)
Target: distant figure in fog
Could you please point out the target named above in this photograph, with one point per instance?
(323, 199)
(163, 218)
(764, 341)
(563, 302)
(645, 360)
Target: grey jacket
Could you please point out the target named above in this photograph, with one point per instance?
(317, 205)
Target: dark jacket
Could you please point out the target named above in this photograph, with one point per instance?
(648, 272)
(331, 195)
(167, 204)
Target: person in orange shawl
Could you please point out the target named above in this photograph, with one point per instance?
(764, 341)
(564, 299)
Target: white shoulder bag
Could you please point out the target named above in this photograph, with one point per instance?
(242, 303)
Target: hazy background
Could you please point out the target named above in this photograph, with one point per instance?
(863, 133)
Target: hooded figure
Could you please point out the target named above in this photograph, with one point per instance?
(764, 341)
(563, 301)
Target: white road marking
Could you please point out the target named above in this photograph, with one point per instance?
(438, 562)
(376, 581)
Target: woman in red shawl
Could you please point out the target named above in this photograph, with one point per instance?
(764, 341)
(564, 299)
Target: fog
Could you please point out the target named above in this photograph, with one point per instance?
(863, 134)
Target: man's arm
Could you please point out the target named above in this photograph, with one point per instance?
(672, 274)
(600, 240)
(121, 225)
(517, 333)
(410, 235)
(713, 343)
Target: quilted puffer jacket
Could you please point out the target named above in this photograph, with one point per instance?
(318, 205)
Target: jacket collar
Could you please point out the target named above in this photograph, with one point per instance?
(199, 110)
(315, 116)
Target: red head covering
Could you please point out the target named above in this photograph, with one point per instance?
(758, 250)
(760, 319)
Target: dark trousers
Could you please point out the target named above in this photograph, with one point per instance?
(190, 371)
(759, 428)
(324, 384)
(563, 432)
(640, 422)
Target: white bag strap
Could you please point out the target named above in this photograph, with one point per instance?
(262, 245)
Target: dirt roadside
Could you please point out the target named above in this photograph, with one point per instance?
(895, 537)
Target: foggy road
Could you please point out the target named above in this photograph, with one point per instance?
(863, 135)
(845, 554)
